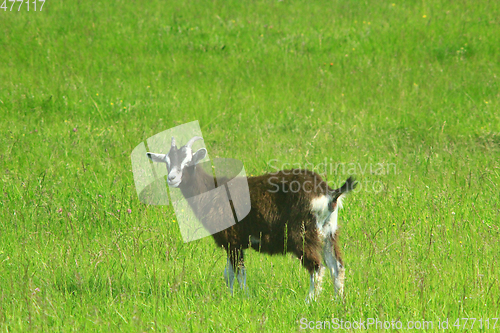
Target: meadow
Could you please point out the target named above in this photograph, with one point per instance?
(410, 85)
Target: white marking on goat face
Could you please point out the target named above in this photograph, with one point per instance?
(187, 159)
(176, 167)
(174, 177)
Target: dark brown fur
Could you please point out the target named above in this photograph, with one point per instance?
(279, 217)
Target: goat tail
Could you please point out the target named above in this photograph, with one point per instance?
(339, 194)
(349, 185)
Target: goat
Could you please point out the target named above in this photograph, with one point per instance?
(291, 211)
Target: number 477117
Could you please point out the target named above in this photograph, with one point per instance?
(20, 4)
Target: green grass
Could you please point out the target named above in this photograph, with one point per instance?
(356, 82)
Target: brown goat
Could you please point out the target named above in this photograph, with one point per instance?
(291, 211)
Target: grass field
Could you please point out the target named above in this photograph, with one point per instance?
(411, 85)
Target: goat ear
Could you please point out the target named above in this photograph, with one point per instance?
(198, 156)
(160, 158)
